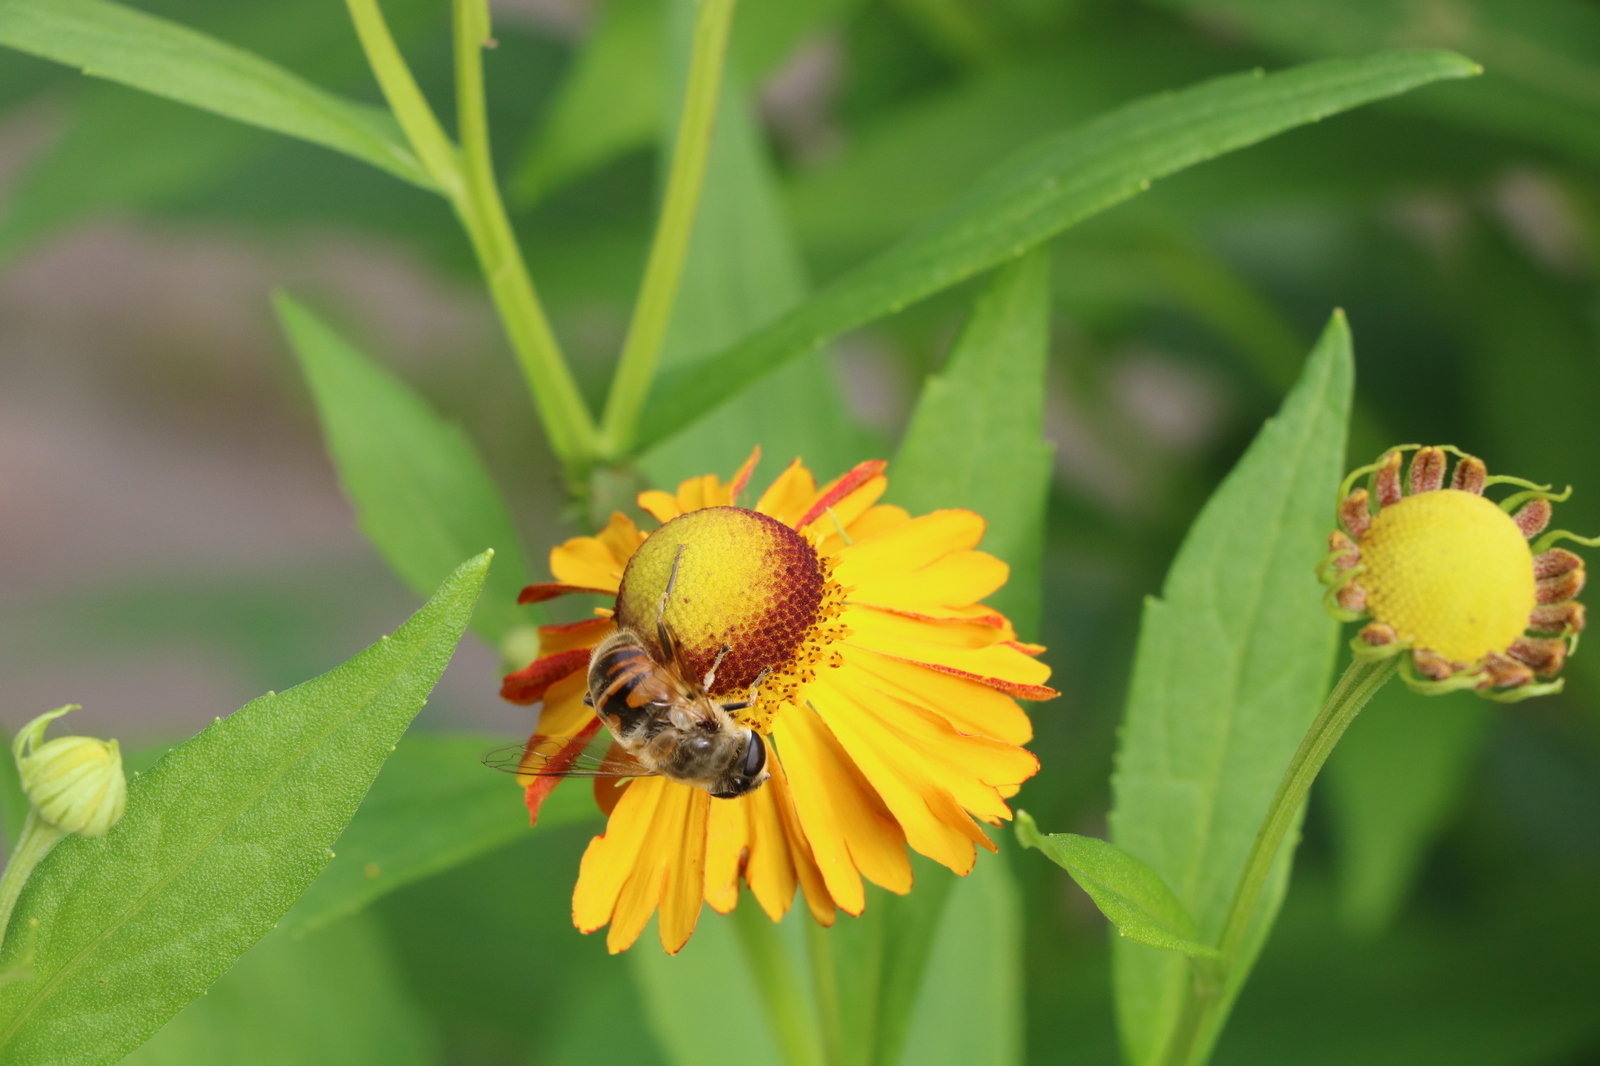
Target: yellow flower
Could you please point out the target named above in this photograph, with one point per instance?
(1450, 576)
(888, 696)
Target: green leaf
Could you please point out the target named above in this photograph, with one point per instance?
(976, 439)
(1232, 664)
(1542, 57)
(332, 999)
(1393, 783)
(1130, 894)
(121, 44)
(610, 103)
(969, 1008)
(418, 485)
(1055, 184)
(219, 839)
(744, 269)
(433, 807)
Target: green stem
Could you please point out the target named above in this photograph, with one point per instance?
(781, 992)
(38, 837)
(664, 271)
(466, 177)
(1207, 995)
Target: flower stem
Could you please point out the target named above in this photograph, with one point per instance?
(38, 837)
(466, 178)
(781, 993)
(1207, 996)
(664, 272)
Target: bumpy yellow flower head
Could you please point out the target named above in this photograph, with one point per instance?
(1450, 576)
(887, 698)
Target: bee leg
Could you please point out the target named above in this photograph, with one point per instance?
(755, 686)
(663, 635)
(711, 674)
(731, 707)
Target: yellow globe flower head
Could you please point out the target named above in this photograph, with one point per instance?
(75, 784)
(1454, 578)
(850, 637)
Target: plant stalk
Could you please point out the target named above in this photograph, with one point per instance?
(793, 1027)
(652, 313)
(1190, 1043)
(466, 178)
(38, 837)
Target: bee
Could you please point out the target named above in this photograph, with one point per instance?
(663, 721)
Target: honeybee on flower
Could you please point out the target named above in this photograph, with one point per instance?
(847, 645)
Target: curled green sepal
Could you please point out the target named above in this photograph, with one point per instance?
(1131, 895)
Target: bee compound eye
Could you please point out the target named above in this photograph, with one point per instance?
(755, 755)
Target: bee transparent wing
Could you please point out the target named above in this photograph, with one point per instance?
(549, 757)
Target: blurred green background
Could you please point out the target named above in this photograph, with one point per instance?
(174, 541)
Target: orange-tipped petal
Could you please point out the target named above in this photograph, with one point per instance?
(741, 477)
(839, 489)
(552, 589)
(528, 685)
(564, 636)
(539, 786)
(787, 498)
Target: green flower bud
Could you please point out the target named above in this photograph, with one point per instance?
(75, 784)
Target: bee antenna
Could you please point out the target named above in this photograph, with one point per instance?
(662, 636)
(711, 674)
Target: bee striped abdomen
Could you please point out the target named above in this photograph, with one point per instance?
(626, 688)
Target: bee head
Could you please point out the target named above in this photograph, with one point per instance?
(749, 773)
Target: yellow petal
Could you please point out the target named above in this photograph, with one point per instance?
(609, 861)
(933, 822)
(662, 506)
(959, 649)
(967, 705)
(954, 580)
(564, 713)
(790, 495)
(598, 561)
(850, 830)
(908, 546)
(727, 836)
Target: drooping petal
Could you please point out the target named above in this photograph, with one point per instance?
(933, 821)
(550, 590)
(727, 838)
(564, 713)
(651, 857)
(969, 706)
(851, 831)
(538, 786)
(962, 650)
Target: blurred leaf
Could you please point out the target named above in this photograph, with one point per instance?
(610, 103)
(1396, 777)
(122, 44)
(713, 959)
(13, 801)
(219, 839)
(976, 439)
(1508, 981)
(1541, 57)
(743, 270)
(328, 1000)
(418, 486)
(434, 806)
(122, 149)
(969, 1011)
(1130, 894)
(1061, 181)
(1232, 664)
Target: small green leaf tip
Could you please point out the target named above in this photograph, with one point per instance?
(75, 784)
(1027, 830)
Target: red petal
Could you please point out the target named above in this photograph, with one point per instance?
(528, 684)
(540, 787)
(550, 590)
(862, 474)
(742, 478)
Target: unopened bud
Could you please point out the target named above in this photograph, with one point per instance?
(75, 784)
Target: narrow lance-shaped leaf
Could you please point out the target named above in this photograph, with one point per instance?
(1130, 894)
(420, 489)
(122, 44)
(434, 807)
(219, 839)
(1232, 664)
(1057, 183)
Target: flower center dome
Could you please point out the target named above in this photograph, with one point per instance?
(1451, 572)
(745, 580)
